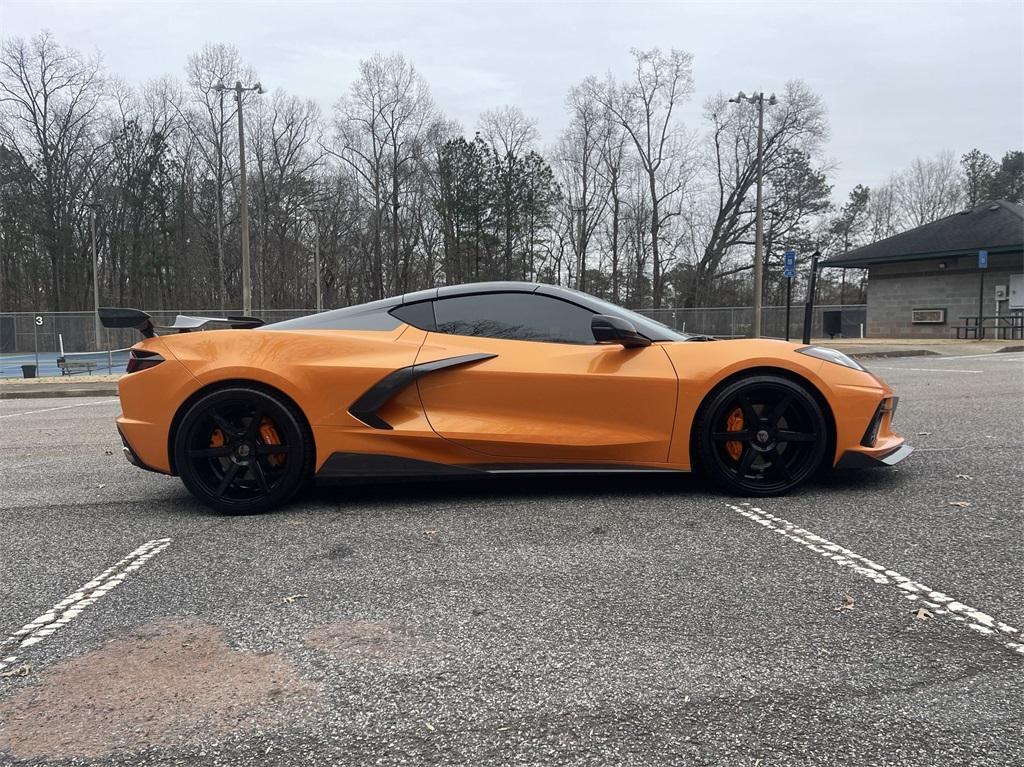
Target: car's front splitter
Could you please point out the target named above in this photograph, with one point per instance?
(855, 459)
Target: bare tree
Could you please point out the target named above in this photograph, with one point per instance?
(645, 106)
(287, 157)
(794, 129)
(883, 213)
(613, 168)
(578, 160)
(380, 133)
(209, 121)
(51, 99)
(508, 130)
(929, 189)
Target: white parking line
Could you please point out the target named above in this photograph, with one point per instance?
(927, 370)
(935, 601)
(62, 407)
(990, 356)
(67, 609)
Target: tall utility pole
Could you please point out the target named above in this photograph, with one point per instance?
(243, 192)
(759, 99)
(95, 275)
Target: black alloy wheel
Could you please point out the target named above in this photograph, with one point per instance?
(762, 435)
(242, 450)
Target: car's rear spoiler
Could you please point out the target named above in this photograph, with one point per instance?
(183, 323)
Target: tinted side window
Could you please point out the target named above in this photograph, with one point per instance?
(517, 316)
(419, 315)
(372, 316)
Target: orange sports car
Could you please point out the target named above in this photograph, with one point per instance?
(487, 378)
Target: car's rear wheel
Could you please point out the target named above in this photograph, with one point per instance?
(762, 435)
(242, 450)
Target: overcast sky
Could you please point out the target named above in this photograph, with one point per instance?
(899, 79)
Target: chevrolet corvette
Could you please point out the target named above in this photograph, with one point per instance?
(486, 378)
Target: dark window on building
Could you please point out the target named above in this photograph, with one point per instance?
(515, 316)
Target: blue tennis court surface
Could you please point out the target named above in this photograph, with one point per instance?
(103, 363)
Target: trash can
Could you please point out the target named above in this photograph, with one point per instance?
(28, 371)
(832, 322)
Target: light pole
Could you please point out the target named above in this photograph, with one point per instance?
(92, 206)
(759, 99)
(243, 192)
(315, 213)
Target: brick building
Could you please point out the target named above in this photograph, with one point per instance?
(922, 281)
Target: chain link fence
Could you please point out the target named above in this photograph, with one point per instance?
(27, 332)
(735, 321)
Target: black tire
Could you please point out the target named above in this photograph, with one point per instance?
(787, 444)
(243, 450)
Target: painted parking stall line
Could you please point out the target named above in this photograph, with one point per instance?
(928, 370)
(69, 608)
(988, 357)
(62, 407)
(936, 602)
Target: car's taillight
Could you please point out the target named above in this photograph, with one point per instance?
(139, 359)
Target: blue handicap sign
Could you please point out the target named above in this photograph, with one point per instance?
(789, 264)
(983, 259)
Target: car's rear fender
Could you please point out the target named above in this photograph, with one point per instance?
(172, 432)
(149, 400)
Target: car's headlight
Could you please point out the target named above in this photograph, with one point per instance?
(831, 355)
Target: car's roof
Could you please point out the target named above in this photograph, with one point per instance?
(469, 289)
(376, 315)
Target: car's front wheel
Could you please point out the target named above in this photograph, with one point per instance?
(242, 450)
(761, 435)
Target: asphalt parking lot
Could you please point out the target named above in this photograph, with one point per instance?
(870, 618)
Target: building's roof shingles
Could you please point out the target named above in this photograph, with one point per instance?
(995, 225)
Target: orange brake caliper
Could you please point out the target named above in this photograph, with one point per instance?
(217, 438)
(270, 437)
(734, 423)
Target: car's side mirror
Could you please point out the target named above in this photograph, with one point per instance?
(615, 330)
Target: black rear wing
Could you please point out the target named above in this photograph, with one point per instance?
(183, 323)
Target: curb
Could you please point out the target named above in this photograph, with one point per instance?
(896, 353)
(37, 392)
(925, 353)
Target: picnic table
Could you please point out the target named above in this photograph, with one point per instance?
(1004, 326)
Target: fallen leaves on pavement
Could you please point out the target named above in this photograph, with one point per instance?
(922, 615)
(23, 670)
(848, 603)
